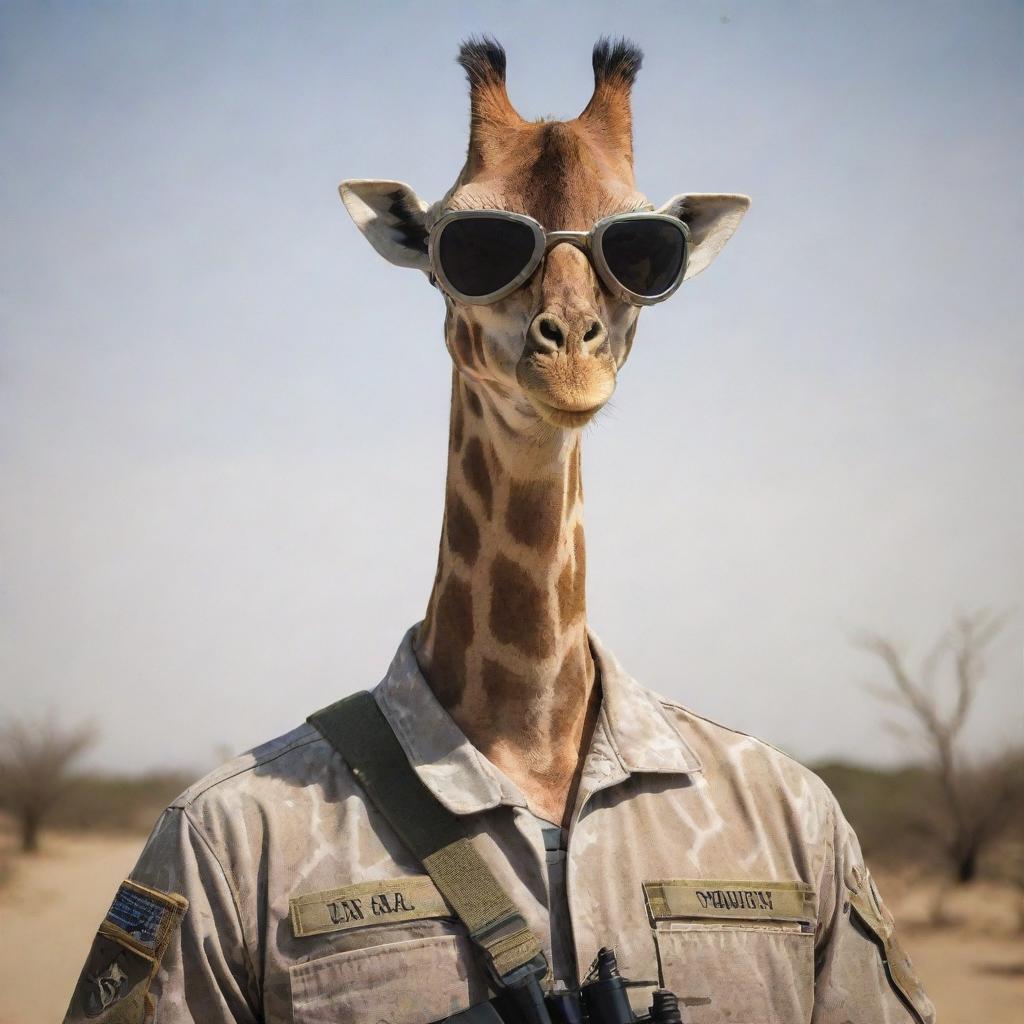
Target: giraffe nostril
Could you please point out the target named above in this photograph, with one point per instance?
(592, 331)
(550, 330)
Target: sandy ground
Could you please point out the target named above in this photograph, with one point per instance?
(51, 903)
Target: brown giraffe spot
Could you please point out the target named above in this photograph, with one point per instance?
(462, 343)
(458, 425)
(461, 529)
(571, 586)
(511, 705)
(452, 634)
(474, 466)
(478, 343)
(499, 682)
(534, 512)
(519, 610)
(473, 401)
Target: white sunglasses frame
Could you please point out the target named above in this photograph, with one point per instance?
(588, 242)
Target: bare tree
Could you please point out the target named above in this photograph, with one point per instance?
(35, 758)
(973, 800)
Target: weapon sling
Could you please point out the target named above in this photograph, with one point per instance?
(358, 730)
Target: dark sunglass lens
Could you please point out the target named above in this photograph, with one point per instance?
(644, 255)
(480, 255)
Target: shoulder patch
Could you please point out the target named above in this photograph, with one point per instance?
(145, 916)
(125, 955)
(867, 907)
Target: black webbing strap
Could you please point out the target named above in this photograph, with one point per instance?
(358, 730)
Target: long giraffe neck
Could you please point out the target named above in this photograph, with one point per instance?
(504, 643)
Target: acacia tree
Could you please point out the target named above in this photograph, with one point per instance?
(35, 758)
(973, 800)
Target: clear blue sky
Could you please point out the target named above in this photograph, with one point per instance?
(223, 417)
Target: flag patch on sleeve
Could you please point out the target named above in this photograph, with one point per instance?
(145, 915)
(125, 956)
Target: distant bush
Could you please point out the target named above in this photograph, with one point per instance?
(972, 804)
(118, 803)
(36, 756)
(885, 808)
(894, 815)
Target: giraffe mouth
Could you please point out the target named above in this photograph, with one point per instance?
(559, 416)
(566, 390)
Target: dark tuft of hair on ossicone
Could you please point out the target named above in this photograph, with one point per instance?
(483, 59)
(616, 59)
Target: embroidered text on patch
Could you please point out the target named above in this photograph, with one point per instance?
(138, 914)
(367, 903)
(735, 899)
(682, 898)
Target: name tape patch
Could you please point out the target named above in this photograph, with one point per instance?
(675, 898)
(390, 900)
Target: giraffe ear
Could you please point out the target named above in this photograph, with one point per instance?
(392, 217)
(712, 218)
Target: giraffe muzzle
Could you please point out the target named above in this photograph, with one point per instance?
(566, 386)
(550, 333)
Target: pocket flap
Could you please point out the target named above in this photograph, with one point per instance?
(400, 982)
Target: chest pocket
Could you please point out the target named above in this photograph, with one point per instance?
(735, 951)
(410, 982)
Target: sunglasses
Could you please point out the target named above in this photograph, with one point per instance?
(480, 256)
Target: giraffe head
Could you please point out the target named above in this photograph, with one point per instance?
(549, 352)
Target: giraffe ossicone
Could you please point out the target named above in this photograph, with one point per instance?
(504, 641)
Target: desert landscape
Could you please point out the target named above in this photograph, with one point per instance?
(942, 835)
(51, 902)
(237, 467)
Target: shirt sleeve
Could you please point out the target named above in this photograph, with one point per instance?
(171, 945)
(862, 972)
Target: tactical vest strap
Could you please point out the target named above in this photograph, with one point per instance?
(358, 730)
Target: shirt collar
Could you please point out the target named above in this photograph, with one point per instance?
(639, 729)
(633, 722)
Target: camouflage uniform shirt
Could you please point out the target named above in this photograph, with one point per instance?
(715, 865)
